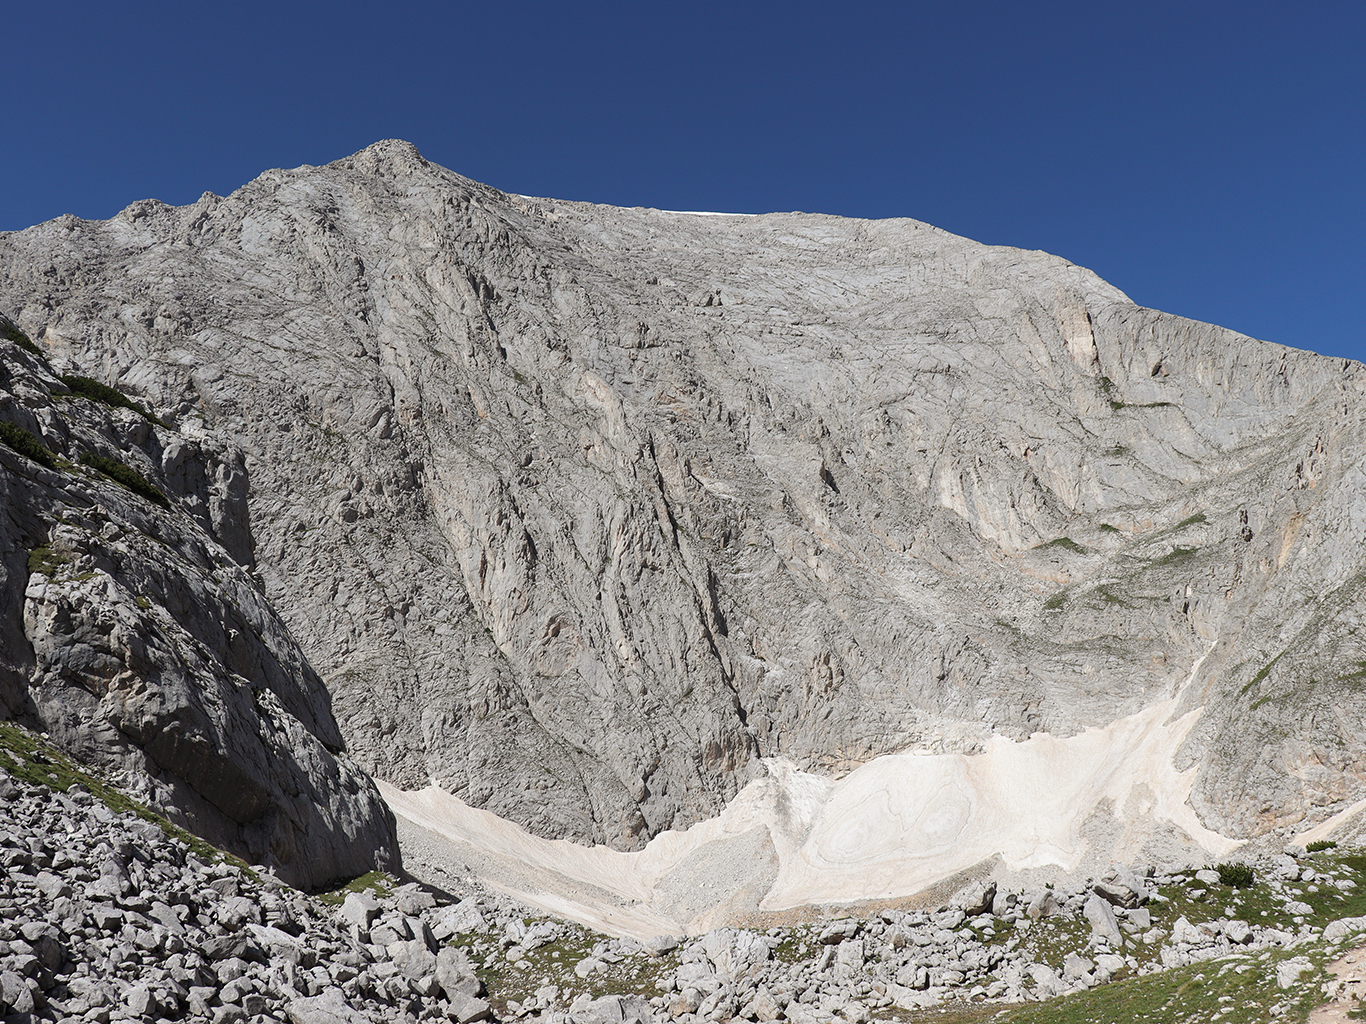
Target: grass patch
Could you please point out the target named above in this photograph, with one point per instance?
(1212, 990)
(1262, 674)
(1050, 940)
(1175, 556)
(43, 560)
(1107, 528)
(554, 963)
(1199, 517)
(1237, 989)
(29, 758)
(377, 882)
(126, 475)
(1067, 544)
(1109, 597)
(795, 946)
(27, 445)
(1055, 602)
(1116, 406)
(88, 387)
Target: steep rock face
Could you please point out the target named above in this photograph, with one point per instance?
(136, 636)
(580, 510)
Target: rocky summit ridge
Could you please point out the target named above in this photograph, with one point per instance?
(580, 513)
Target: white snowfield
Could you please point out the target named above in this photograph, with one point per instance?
(893, 827)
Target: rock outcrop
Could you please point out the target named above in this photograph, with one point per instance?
(136, 634)
(579, 511)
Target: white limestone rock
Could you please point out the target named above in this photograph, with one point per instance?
(579, 511)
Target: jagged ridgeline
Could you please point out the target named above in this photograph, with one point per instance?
(579, 512)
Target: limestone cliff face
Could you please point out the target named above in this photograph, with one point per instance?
(136, 635)
(578, 511)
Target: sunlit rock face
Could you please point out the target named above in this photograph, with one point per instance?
(580, 511)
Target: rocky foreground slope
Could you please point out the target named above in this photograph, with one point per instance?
(580, 511)
(108, 913)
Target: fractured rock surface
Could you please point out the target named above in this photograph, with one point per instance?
(137, 636)
(579, 511)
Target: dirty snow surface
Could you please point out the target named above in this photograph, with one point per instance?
(890, 829)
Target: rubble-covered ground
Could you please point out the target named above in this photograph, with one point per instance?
(109, 913)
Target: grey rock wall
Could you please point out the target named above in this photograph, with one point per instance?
(579, 510)
(138, 638)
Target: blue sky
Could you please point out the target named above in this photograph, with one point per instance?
(1207, 158)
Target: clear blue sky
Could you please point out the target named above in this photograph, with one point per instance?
(1207, 158)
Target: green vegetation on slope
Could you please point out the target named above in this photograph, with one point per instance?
(88, 387)
(126, 475)
(11, 333)
(27, 445)
(31, 759)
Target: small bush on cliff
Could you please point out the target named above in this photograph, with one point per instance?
(27, 445)
(1235, 875)
(88, 387)
(11, 333)
(126, 475)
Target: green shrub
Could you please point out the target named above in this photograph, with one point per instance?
(88, 387)
(1067, 544)
(1235, 875)
(27, 445)
(41, 559)
(12, 333)
(126, 475)
(1321, 845)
